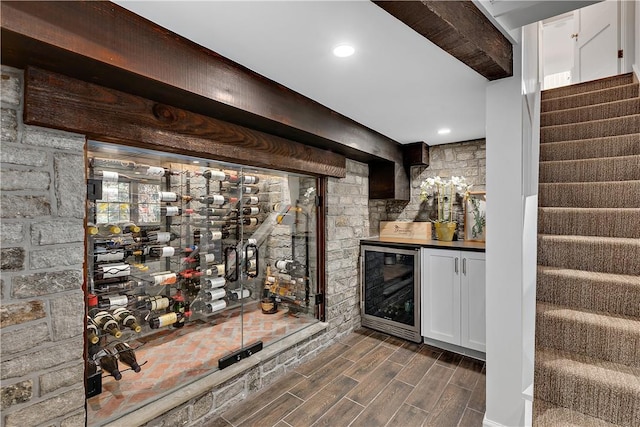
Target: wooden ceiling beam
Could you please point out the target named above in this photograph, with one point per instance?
(461, 29)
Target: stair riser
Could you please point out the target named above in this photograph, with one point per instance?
(595, 129)
(594, 112)
(625, 145)
(585, 99)
(621, 80)
(604, 257)
(590, 195)
(619, 406)
(594, 222)
(604, 341)
(606, 169)
(615, 297)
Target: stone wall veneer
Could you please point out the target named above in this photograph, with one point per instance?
(466, 159)
(42, 255)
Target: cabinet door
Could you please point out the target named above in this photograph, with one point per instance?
(441, 295)
(473, 301)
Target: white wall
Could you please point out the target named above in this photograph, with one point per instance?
(637, 38)
(505, 217)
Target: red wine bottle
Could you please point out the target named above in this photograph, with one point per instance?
(166, 320)
(109, 363)
(216, 199)
(219, 176)
(174, 211)
(127, 356)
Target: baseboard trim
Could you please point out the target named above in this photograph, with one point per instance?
(488, 423)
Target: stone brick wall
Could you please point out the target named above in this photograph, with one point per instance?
(42, 255)
(466, 159)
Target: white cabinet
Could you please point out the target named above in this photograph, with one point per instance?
(453, 297)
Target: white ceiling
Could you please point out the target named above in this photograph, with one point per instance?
(397, 83)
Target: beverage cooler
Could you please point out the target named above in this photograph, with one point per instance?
(390, 290)
(192, 265)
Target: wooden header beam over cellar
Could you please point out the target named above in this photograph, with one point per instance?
(461, 29)
(60, 102)
(103, 43)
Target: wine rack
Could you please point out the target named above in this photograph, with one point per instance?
(178, 244)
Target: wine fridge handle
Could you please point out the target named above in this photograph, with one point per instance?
(246, 260)
(464, 266)
(456, 267)
(227, 274)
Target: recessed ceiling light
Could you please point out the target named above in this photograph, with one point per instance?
(444, 131)
(343, 50)
(195, 162)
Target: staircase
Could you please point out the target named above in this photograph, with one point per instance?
(587, 367)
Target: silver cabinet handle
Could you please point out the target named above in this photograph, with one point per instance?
(456, 265)
(464, 266)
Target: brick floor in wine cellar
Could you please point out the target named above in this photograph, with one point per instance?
(176, 357)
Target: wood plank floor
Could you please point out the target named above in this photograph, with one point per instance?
(370, 379)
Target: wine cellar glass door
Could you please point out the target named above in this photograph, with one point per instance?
(192, 264)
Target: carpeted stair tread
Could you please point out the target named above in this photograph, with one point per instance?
(604, 222)
(624, 168)
(612, 94)
(594, 129)
(614, 194)
(617, 294)
(546, 414)
(607, 110)
(605, 390)
(590, 253)
(590, 86)
(613, 146)
(607, 337)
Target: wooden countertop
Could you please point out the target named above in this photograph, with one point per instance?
(462, 245)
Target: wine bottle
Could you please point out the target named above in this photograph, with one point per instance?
(244, 190)
(250, 221)
(250, 210)
(109, 363)
(110, 302)
(155, 303)
(108, 229)
(127, 356)
(119, 272)
(92, 368)
(129, 227)
(238, 294)
(104, 254)
(164, 278)
(215, 306)
(216, 199)
(162, 251)
(219, 176)
(168, 196)
(284, 264)
(180, 307)
(214, 282)
(214, 223)
(126, 319)
(201, 258)
(215, 294)
(166, 320)
(105, 321)
(212, 235)
(251, 200)
(250, 179)
(92, 331)
(158, 237)
(174, 211)
(211, 211)
(92, 229)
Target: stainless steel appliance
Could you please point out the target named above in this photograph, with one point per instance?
(390, 290)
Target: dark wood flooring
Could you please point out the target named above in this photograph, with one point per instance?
(370, 379)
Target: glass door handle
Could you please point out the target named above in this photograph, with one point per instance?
(246, 260)
(231, 277)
